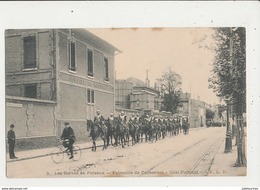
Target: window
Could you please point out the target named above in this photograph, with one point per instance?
(72, 56)
(106, 69)
(30, 91)
(29, 44)
(90, 96)
(90, 63)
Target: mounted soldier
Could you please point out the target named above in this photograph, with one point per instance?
(122, 118)
(137, 118)
(100, 122)
(132, 118)
(111, 129)
(99, 119)
(111, 119)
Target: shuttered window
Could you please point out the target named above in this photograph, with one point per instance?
(90, 63)
(106, 69)
(90, 96)
(29, 52)
(72, 55)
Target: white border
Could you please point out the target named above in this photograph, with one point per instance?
(15, 15)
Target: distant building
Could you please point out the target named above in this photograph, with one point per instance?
(56, 75)
(194, 109)
(134, 94)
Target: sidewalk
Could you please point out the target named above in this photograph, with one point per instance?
(223, 164)
(36, 153)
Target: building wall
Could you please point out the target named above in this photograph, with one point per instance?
(122, 92)
(74, 85)
(197, 113)
(17, 76)
(32, 120)
(67, 89)
(146, 101)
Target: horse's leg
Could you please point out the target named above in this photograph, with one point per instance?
(116, 139)
(104, 143)
(128, 138)
(111, 139)
(94, 145)
(107, 142)
(122, 141)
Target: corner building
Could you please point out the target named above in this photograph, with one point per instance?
(56, 75)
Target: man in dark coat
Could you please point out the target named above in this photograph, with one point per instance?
(68, 138)
(11, 142)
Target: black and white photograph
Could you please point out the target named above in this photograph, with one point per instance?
(126, 102)
(165, 96)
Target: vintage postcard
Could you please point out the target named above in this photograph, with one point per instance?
(148, 101)
(132, 102)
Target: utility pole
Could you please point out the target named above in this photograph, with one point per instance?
(228, 143)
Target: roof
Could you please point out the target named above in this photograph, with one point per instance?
(95, 39)
(136, 82)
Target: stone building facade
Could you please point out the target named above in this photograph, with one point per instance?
(57, 75)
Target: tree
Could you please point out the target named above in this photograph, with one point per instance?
(229, 76)
(170, 82)
(221, 109)
(209, 114)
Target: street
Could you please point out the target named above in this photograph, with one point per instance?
(182, 155)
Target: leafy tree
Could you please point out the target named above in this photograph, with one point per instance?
(221, 109)
(229, 68)
(228, 79)
(210, 114)
(170, 82)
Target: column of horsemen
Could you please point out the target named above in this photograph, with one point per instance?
(121, 130)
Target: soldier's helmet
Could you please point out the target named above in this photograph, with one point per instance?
(133, 114)
(122, 112)
(137, 114)
(111, 114)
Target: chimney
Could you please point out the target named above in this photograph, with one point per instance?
(147, 80)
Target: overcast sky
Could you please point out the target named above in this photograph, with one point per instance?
(158, 49)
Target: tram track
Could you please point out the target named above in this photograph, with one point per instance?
(201, 167)
(174, 155)
(104, 160)
(206, 160)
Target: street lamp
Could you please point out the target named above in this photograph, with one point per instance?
(228, 143)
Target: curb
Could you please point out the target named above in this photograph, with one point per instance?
(85, 148)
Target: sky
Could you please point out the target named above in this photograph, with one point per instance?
(158, 49)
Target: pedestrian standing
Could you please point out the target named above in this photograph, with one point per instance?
(11, 142)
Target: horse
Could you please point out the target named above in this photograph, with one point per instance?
(142, 128)
(119, 132)
(185, 127)
(111, 132)
(126, 134)
(163, 130)
(134, 132)
(95, 132)
(150, 131)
